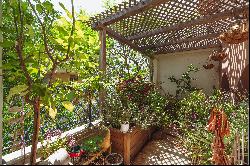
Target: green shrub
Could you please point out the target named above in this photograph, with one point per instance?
(136, 100)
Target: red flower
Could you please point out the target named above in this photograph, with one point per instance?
(76, 154)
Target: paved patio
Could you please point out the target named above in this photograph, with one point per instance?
(163, 149)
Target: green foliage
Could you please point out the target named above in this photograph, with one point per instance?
(51, 147)
(191, 116)
(20, 90)
(83, 59)
(92, 144)
(136, 101)
(184, 83)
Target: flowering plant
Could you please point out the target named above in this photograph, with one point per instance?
(134, 89)
(192, 113)
(49, 146)
(135, 101)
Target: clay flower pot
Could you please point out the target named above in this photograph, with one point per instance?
(113, 159)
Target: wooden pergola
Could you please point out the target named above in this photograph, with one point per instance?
(164, 26)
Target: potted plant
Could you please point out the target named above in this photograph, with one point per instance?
(135, 105)
(74, 150)
(125, 120)
(114, 159)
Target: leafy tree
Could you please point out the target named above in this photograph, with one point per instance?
(44, 41)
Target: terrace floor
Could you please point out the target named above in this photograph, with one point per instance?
(163, 149)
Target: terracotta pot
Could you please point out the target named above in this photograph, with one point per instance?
(109, 160)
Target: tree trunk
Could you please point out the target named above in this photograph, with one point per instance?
(36, 126)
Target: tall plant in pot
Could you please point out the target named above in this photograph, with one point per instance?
(112, 111)
(125, 120)
(135, 102)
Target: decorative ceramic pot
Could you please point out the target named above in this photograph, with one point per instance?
(124, 128)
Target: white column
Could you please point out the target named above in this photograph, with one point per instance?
(102, 64)
(155, 71)
(151, 69)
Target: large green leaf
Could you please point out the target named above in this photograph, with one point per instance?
(39, 8)
(17, 90)
(68, 105)
(30, 30)
(66, 11)
(39, 89)
(48, 5)
(70, 96)
(6, 44)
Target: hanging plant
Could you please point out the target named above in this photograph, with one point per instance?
(218, 124)
(238, 33)
(208, 66)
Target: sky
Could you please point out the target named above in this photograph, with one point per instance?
(91, 6)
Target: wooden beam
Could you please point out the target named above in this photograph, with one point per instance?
(103, 50)
(189, 49)
(121, 39)
(187, 24)
(102, 65)
(139, 8)
(209, 36)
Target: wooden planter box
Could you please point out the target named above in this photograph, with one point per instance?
(129, 144)
(90, 132)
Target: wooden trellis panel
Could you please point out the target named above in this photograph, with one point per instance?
(151, 25)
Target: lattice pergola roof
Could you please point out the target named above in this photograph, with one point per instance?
(164, 26)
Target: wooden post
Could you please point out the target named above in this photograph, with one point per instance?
(238, 147)
(243, 139)
(1, 88)
(102, 65)
(126, 149)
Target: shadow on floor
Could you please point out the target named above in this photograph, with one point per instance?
(163, 149)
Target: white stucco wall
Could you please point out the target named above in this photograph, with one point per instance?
(177, 63)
